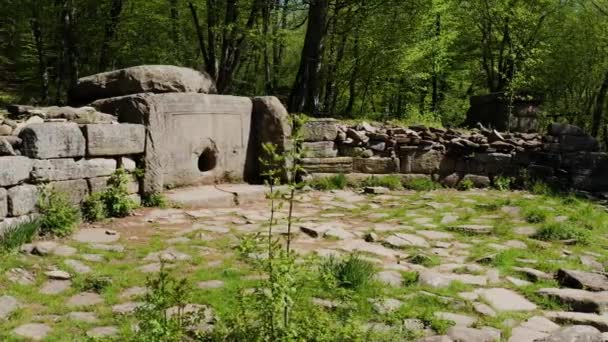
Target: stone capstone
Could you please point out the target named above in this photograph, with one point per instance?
(52, 140)
(141, 79)
(112, 140)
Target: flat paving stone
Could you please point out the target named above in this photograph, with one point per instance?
(102, 332)
(33, 331)
(20, 276)
(133, 292)
(87, 317)
(473, 229)
(65, 251)
(95, 235)
(84, 299)
(210, 284)
(435, 235)
(582, 280)
(53, 287)
(579, 300)
(126, 308)
(392, 278)
(77, 266)
(581, 318)
(58, 275)
(458, 319)
(506, 300)
(8, 304)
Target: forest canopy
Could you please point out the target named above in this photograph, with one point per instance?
(411, 60)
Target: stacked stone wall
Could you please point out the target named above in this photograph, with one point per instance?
(565, 155)
(74, 158)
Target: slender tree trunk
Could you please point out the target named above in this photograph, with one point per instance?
(279, 41)
(435, 76)
(600, 107)
(175, 32)
(199, 35)
(352, 85)
(42, 68)
(69, 41)
(109, 33)
(268, 82)
(304, 95)
(212, 14)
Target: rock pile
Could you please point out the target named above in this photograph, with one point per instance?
(566, 154)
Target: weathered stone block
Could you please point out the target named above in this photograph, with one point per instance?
(99, 184)
(52, 140)
(141, 79)
(578, 143)
(320, 149)
(190, 138)
(66, 169)
(3, 204)
(22, 199)
(14, 170)
(557, 129)
(477, 180)
(376, 165)
(114, 140)
(271, 124)
(426, 162)
(328, 165)
(320, 130)
(75, 190)
(493, 163)
(127, 164)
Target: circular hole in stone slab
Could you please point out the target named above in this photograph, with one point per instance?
(207, 161)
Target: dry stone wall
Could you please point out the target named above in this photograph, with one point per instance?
(565, 155)
(41, 148)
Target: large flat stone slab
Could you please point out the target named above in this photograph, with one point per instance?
(506, 300)
(210, 196)
(564, 317)
(70, 169)
(95, 235)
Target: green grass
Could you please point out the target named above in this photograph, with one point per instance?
(421, 184)
(391, 182)
(334, 182)
(559, 231)
(351, 272)
(19, 234)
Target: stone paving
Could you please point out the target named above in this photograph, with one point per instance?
(456, 249)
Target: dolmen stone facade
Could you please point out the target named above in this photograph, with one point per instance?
(72, 150)
(565, 155)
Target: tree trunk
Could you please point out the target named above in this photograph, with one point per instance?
(69, 41)
(352, 85)
(42, 69)
(110, 32)
(304, 95)
(212, 13)
(199, 34)
(600, 107)
(435, 76)
(174, 15)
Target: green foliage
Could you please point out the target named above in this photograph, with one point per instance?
(155, 200)
(94, 208)
(502, 183)
(558, 231)
(95, 283)
(535, 215)
(162, 317)
(333, 182)
(351, 272)
(392, 182)
(116, 196)
(421, 184)
(542, 188)
(59, 216)
(465, 185)
(424, 260)
(17, 235)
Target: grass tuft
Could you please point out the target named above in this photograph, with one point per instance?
(17, 235)
(352, 272)
(558, 231)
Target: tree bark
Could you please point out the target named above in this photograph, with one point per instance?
(109, 33)
(600, 107)
(43, 73)
(69, 41)
(304, 95)
(199, 34)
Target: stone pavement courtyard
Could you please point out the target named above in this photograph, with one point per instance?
(468, 265)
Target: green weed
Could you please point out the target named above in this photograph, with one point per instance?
(333, 182)
(59, 215)
(421, 184)
(558, 231)
(351, 272)
(391, 182)
(17, 235)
